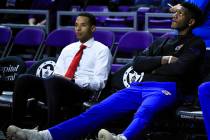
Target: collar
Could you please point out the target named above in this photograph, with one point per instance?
(89, 43)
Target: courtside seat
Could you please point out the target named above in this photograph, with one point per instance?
(42, 68)
(10, 68)
(5, 39)
(56, 41)
(129, 45)
(27, 43)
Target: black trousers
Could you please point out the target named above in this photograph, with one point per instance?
(55, 91)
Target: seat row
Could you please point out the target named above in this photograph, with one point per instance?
(32, 44)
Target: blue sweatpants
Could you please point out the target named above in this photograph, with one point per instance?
(204, 98)
(146, 98)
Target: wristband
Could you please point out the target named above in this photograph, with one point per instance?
(169, 60)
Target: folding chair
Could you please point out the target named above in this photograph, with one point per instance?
(5, 39)
(105, 37)
(27, 44)
(129, 44)
(57, 40)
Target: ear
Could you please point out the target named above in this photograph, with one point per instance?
(191, 22)
(93, 28)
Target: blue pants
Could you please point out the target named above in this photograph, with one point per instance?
(146, 99)
(204, 98)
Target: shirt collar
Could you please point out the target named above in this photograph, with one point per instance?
(89, 42)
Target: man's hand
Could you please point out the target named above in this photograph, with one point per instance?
(168, 60)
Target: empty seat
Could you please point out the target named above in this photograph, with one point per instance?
(27, 44)
(5, 38)
(56, 41)
(131, 43)
(105, 37)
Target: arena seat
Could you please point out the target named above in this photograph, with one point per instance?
(10, 68)
(129, 45)
(5, 39)
(42, 68)
(27, 44)
(105, 37)
(56, 41)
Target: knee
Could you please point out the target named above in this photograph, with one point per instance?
(145, 113)
(50, 80)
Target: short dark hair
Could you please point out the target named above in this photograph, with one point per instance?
(91, 17)
(195, 13)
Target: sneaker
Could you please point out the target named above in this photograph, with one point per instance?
(106, 135)
(16, 133)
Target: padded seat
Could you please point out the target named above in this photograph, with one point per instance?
(27, 44)
(40, 69)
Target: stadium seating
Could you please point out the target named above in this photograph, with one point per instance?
(5, 39)
(56, 41)
(42, 68)
(105, 37)
(27, 44)
(129, 44)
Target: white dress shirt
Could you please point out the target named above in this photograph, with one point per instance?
(94, 66)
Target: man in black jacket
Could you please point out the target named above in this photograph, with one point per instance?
(169, 65)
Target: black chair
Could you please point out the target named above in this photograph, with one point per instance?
(42, 68)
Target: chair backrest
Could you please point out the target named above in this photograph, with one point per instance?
(10, 68)
(27, 43)
(58, 39)
(43, 68)
(135, 41)
(132, 42)
(105, 37)
(5, 38)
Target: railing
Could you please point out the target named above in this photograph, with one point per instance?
(106, 14)
(26, 12)
(158, 15)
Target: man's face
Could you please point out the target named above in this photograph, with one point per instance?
(180, 20)
(83, 28)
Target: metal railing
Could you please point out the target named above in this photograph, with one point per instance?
(26, 12)
(106, 14)
(157, 15)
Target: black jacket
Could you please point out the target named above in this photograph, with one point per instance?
(186, 71)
